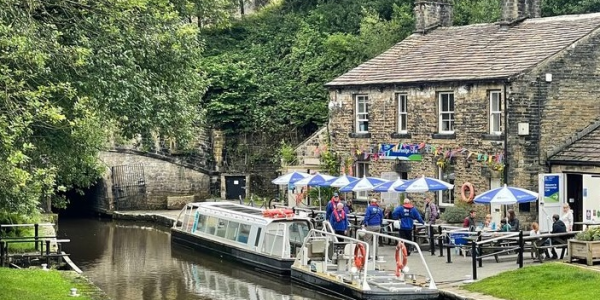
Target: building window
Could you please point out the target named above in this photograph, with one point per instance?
(495, 112)
(402, 113)
(446, 111)
(362, 113)
(362, 169)
(446, 198)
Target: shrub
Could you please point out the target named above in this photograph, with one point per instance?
(455, 214)
(589, 234)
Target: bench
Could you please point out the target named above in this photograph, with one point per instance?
(538, 247)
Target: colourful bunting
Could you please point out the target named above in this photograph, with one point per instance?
(376, 152)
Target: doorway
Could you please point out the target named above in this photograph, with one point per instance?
(575, 197)
(235, 187)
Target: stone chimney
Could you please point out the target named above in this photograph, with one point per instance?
(432, 14)
(519, 10)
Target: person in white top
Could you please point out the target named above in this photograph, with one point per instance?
(567, 216)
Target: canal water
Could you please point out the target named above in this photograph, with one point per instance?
(134, 261)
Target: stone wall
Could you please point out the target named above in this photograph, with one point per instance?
(471, 129)
(555, 108)
(162, 178)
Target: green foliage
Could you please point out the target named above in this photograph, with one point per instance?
(330, 163)
(455, 214)
(546, 281)
(287, 154)
(274, 63)
(72, 69)
(472, 12)
(589, 234)
(565, 7)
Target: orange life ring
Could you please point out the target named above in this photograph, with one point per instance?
(359, 256)
(467, 186)
(401, 257)
(278, 213)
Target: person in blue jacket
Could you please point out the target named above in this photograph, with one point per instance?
(407, 214)
(331, 205)
(373, 219)
(339, 219)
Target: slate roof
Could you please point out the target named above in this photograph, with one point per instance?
(582, 148)
(472, 52)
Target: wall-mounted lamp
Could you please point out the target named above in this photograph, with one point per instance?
(338, 90)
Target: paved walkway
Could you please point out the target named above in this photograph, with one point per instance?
(448, 276)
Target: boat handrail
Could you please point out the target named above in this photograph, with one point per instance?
(321, 234)
(375, 236)
(329, 228)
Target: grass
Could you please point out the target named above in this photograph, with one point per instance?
(548, 281)
(35, 284)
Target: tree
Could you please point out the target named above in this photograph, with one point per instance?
(69, 70)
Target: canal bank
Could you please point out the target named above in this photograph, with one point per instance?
(448, 276)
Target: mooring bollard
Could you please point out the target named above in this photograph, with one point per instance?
(73, 292)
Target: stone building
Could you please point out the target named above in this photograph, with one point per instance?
(482, 103)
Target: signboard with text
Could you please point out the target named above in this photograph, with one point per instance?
(551, 189)
(392, 151)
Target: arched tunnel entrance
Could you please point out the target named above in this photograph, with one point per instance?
(81, 205)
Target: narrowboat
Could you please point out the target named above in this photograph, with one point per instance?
(266, 240)
(344, 267)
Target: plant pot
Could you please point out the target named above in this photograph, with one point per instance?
(588, 250)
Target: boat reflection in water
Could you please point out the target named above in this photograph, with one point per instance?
(135, 261)
(208, 276)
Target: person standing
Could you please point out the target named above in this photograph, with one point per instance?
(331, 205)
(407, 214)
(373, 219)
(431, 211)
(567, 217)
(339, 219)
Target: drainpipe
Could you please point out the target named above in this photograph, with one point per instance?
(505, 171)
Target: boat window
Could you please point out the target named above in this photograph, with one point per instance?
(222, 228)
(244, 233)
(211, 225)
(297, 230)
(257, 237)
(201, 222)
(232, 230)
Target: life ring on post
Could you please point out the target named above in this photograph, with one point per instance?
(463, 190)
(360, 254)
(401, 258)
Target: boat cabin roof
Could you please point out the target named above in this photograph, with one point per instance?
(227, 208)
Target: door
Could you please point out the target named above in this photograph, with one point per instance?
(575, 197)
(591, 198)
(235, 187)
(551, 198)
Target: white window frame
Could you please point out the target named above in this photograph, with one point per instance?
(496, 112)
(402, 102)
(362, 170)
(447, 197)
(361, 113)
(446, 115)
